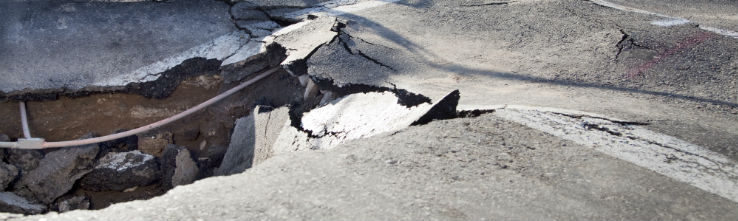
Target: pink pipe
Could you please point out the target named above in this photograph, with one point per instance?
(161, 122)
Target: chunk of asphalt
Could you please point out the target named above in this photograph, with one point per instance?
(120, 171)
(302, 40)
(271, 57)
(57, 173)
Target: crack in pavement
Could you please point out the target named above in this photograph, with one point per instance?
(487, 4)
(358, 52)
(627, 42)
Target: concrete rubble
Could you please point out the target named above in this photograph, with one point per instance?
(118, 171)
(57, 173)
(177, 166)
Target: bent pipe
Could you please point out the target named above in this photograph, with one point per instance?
(36, 143)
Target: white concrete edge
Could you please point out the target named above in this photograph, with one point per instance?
(218, 48)
(668, 21)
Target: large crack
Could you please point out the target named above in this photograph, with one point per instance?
(488, 4)
(627, 42)
(345, 39)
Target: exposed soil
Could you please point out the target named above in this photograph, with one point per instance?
(205, 134)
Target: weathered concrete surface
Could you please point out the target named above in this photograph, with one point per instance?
(68, 45)
(475, 168)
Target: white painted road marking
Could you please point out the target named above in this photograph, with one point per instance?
(672, 157)
(669, 20)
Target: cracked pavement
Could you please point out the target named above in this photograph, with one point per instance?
(591, 112)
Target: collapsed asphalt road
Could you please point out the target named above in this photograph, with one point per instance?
(667, 91)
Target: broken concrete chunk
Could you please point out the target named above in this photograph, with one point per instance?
(240, 153)
(303, 40)
(8, 173)
(177, 166)
(154, 144)
(57, 172)
(12, 203)
(70, 203)
(253, 138)
(120, 171)
(237, 71)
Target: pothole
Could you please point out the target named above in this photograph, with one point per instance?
(284, 112)
(136, 167)
(278, 114)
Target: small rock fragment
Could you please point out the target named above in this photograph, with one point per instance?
(65, 204)
(12, 203)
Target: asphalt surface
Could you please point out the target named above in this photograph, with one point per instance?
(566, 54)
(67, 45)
(481, 168)
(679, 82)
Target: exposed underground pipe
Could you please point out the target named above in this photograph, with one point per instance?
(24, 120)
(36, 143)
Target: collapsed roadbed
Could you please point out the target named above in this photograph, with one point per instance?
(288, 111)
